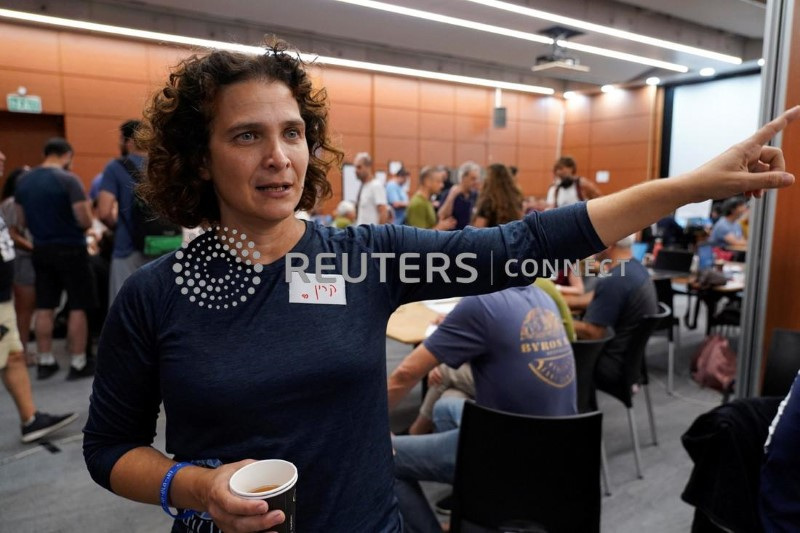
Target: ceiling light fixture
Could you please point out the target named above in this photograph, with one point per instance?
(569, 95)
(707, 72)
(508, 32)
(613, 32)
(220, 45)
(608, 88)
(652, 80)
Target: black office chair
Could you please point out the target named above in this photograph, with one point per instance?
(783, 362)
(670, 327)
(586, 353)
(527, 473)
(633, 371)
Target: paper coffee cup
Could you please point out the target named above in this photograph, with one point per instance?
(271, 480)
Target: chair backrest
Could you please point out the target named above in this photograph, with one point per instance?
(527, 471)
(586, 353)
(633, 367)
(783, 362)
(676, 260)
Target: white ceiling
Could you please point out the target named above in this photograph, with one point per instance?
(329, 27)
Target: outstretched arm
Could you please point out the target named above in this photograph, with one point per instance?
(747, 167)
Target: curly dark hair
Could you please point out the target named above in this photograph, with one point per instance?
(176, 130)
(500, 200)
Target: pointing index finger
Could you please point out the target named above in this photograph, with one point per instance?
(771, 129)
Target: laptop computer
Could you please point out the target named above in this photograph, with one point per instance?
(673, 263)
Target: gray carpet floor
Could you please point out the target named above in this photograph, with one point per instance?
(49, 490)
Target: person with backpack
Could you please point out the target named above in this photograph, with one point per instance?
(568, 188)
(119, 208)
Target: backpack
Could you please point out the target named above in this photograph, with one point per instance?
(714, 364)
(152, 235)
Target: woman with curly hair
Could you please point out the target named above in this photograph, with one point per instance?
(500, 200)
(253, 358)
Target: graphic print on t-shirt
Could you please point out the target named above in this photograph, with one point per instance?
(215, 270)
(543, 340)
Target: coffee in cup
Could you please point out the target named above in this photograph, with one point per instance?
(271, 480)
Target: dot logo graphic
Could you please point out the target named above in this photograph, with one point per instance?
(217, 269)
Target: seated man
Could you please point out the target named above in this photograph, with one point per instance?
(522, 362)
(620, 300)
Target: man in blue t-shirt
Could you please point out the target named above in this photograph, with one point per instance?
(115, 209)
(620, 300)
(55, 209)
(522, 362)
(397, 196)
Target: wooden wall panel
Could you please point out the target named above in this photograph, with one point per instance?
(87, 166)
(161, 59)
(85, 96)
(351, 118)
(348, 86)
(439, 97)
(437, 153)
(390, 122)
(472, 129)
(473, 101)
(92, 135)
(438, 126)
(503, 153)
(507, 135)
(93, 56)
(533, 134)
(46, 86)
(391, 149)
(352, 144)
(784, 280)
(29, 48)
(396, 91)
(535, 108)
(466, 151)
(613, 132)
(577, 133)
(578, 109)
(619, 156)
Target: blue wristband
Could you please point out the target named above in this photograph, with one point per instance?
(164, 494)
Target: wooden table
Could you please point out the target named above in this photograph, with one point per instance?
(409, 323)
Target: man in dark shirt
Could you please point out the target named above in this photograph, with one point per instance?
(620, 300)
(53, 204)
(461, 198)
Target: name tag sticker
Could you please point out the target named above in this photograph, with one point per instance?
(314, 291)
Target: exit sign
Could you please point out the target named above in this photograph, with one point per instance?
(24, 104)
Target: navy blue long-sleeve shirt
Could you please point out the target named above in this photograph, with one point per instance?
(267, 378)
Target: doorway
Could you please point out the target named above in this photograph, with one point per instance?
(22, 137)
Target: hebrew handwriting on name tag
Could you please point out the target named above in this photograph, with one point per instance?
(312, 291)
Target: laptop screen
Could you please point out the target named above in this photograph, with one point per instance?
(638, 249)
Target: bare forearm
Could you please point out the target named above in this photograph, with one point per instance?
(625, 212)
(138, 475)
